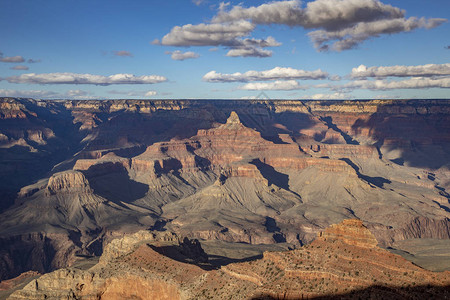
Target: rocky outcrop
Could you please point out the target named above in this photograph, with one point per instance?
(12, 109)
(109, 281)
(68, 182)
(17, 281)
(342, 262)
(351, 232)
(123, 246)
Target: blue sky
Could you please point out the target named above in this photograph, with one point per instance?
(194, 49)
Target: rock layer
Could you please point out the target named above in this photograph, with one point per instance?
(338, 263)
(240, 171)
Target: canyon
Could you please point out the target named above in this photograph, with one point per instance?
(342, 262)
(78, 175)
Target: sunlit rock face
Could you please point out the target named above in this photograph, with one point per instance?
(343, 261)
(258, 172)
(351, 232)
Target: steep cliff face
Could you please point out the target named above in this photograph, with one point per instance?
(34, 251)
(239, 171)
(68, 182)
(344, 261)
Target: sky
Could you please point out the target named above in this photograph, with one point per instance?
(206, 49)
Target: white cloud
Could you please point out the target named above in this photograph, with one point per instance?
(250, 47)
(123, 53)
(276, 85)
(330, 14)
(249, 52)
(33, 61)
(19, 68)
(71, 94)
(350, 37)
(230, 35)
(276, 73)
(12, 59)
(401, 71)
(74, 78)
(28, 94)
(412, 83)
(334, 77)
(340, 24)
(207, 34)
(277, 12)
(178, 55)
(150, 93)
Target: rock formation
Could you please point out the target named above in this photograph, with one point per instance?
(344, 261)
(351, 232)
(259, 172)
(68, 182)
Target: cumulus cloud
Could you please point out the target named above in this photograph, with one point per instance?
(277, 73)
(74, 78)
(328, 14)
(29, 93)
(401, 71)
(275, 85)
(250, 47)
(262, 43)
(340, 24)
(412, 83)
(16, 59)
(123, 53)
(249, 52)
(229, 35)
(12, 59)
(71, 94)
(207, 34)
(348, 38)
(337, 25)
(178, 55)
(19, 68)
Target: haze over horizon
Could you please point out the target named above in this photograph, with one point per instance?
(204, 49)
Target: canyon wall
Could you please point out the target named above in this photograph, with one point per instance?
(76, 174)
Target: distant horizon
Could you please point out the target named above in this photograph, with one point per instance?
(231, 99)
